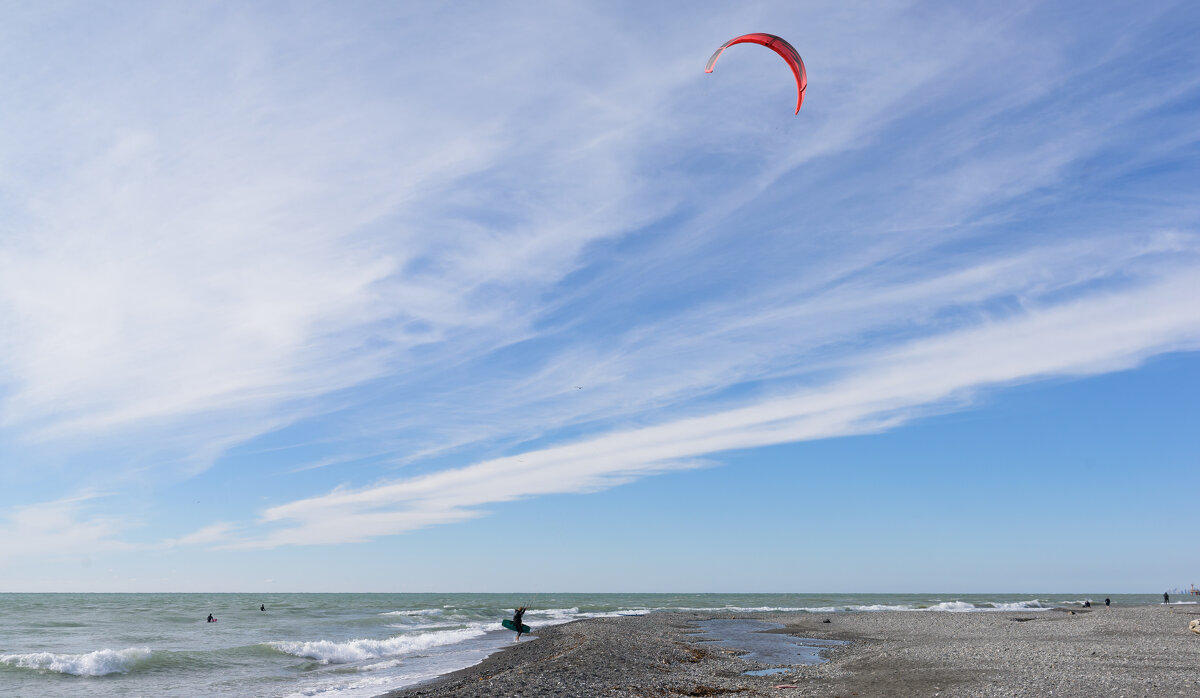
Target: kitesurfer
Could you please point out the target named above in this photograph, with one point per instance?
(517, 621)
(211, 619)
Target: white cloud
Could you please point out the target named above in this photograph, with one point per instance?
(269, 242)
(214, 224)
(213, 533)
(1105, 332)
(59, 528)
(268, 212)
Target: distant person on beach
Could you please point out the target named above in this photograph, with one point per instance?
(1087, 603)
(211, 619)
(1166, 597)
(262, 607)
(1107, 602)
(517, 621)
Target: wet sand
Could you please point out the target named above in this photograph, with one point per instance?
(1131, 651)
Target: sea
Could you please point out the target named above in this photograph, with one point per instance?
(348, 645)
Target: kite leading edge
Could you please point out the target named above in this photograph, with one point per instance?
(778, 45)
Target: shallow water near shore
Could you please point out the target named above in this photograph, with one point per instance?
(759, 645)
(344, 645)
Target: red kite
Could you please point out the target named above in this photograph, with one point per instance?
(778, 45)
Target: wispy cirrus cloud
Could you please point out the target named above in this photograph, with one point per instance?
(877, 390)
(217, 245)
(222, 222)
(259, 243)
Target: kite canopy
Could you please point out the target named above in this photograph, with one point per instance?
(778, 45)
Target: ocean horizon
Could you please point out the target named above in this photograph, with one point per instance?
(352, 645)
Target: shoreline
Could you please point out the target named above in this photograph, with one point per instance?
(1129, 650)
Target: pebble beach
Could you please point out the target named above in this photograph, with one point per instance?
(1120, 651)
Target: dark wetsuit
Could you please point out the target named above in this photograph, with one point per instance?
(517, 621)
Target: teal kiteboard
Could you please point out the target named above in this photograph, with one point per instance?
(513, 626)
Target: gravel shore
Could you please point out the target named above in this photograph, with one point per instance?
(1132, 651)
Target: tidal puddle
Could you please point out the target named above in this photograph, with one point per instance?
(767, 672)
(765, 647)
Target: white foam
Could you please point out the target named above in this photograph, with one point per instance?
(471, 625)
(346, 651)
(360, 687)
(564, 618)
(1033, 605)
(953, 607)
(418, 612)
(379, 666)
(866, 608)
(552, 612)
(98, 663)
(731, 609)
(943, 607)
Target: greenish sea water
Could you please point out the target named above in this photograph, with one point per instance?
(345, 645)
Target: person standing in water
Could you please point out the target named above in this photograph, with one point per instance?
(211, 619)
(517, 621)
(262, 607)
(1107, 602)
(1166, 597)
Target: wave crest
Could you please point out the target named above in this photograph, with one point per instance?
(417, 612)
(347, 651)
(943, 607)
(98, 663)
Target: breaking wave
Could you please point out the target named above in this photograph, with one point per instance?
(944, 607)
(417, 612)
(98, 663)
(346, 651)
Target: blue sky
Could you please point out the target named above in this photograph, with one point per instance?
(384, 296)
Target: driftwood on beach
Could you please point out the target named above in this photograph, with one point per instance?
(1142, 651)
